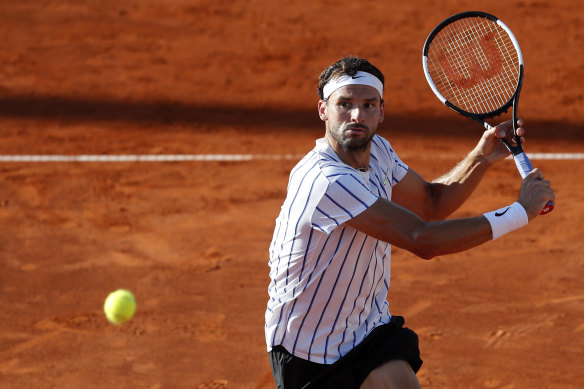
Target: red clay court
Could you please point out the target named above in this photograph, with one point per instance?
(190, 238)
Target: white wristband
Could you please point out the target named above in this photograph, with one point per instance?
(507, 219)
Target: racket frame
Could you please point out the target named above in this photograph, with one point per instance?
(522, 162)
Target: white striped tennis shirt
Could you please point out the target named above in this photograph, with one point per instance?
(329, 282)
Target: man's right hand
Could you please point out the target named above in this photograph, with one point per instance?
(535, 193)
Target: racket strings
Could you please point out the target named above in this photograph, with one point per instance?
(464, 53)
(474, 91)
(474, 54)
(474, 65)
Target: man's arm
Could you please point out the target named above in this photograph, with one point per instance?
(399, 226)
(438, 199)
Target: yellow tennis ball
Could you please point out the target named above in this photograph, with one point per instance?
(119, 306)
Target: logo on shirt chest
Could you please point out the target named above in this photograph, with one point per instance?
(384, 189)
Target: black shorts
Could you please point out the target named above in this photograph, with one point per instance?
(387, 342)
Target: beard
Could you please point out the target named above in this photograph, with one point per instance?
(349, 142)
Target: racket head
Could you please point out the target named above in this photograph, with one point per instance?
(473, 64)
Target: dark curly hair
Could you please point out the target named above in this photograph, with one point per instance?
(347, 65)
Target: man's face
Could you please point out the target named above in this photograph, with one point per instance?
(352, 114)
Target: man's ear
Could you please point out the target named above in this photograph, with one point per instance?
(381, 112)
(322, 110)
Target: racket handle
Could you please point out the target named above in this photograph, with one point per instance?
(524, 166)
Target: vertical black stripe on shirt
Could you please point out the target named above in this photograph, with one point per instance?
(280, 223)
(345, 296)
(305, 286)
(380, 279)
(355, 302)
(296, 231)
(318, 285)
(332, 292)
(288, 220)
(367, 297)
(374, 285)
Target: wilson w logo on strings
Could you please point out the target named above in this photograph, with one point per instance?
(470, 60)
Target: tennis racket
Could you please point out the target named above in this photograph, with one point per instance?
(474, 65)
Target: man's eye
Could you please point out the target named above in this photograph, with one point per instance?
(344, 104)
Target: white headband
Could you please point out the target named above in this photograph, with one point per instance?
(361, 78)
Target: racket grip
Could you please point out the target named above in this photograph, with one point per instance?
(524, 166)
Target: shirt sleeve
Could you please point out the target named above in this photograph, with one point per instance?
(399, 169)
(346, 197)
(388, 157)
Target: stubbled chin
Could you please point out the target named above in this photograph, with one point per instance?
(354, 143)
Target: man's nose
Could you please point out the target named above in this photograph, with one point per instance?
(357, 115)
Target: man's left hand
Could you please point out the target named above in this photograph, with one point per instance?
(490, 145)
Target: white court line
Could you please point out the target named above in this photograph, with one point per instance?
(147, 158)
(555, 156)
(213, 157)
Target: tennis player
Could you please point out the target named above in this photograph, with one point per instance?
(327, 321)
